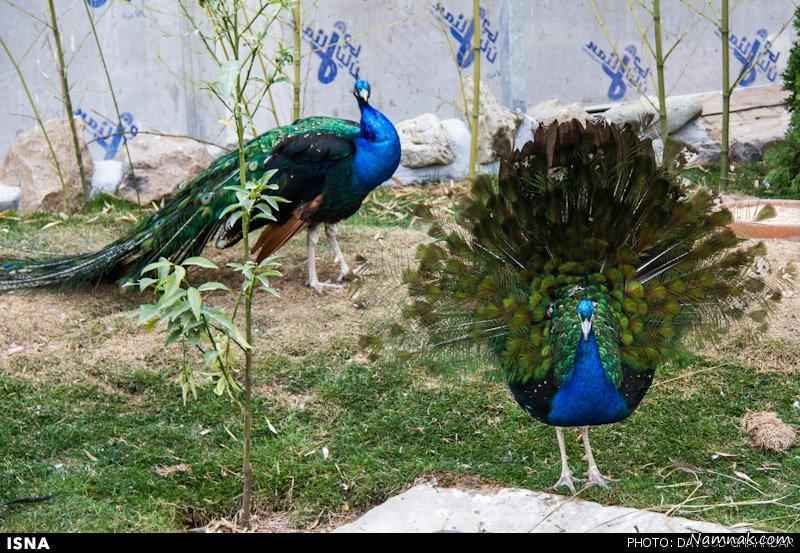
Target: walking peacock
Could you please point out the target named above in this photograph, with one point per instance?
(578, 269)
(325, 167)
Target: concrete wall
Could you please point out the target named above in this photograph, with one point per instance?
(409, 49)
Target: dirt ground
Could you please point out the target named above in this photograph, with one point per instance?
(84, 336)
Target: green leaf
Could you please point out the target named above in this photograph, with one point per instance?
(210, 357)
(145, 283)
(200, 262)
(161, 264)
(172, 285)
(230, 208)
(226, 79)
(147, 313)
(211, 286)
(219, 389)
(195, 301)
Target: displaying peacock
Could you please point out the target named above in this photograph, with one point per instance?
(325, 167)
(579, 269)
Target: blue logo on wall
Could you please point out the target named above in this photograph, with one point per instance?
(462, 30)
(756, 57)
(96, 3)
(108, 135)
(624, 72)
(336, 51)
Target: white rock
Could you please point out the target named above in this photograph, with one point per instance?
(161, 164)
(496, 122)
(424, 142)
(427, 509)
(550, 111)
(758, 119)
(29, 166)
(459, 137)
(680, 111)
(9, 198)
(107, 177)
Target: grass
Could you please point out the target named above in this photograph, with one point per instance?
(350, 433)
(742, 178)
(383, 426)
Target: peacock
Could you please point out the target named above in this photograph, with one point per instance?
(325, 168)
(578, 270)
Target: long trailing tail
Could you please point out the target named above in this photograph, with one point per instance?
(179, 230)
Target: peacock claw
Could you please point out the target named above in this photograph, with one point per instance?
(343, 275)
(319, 287)
(567, 481)
(594, 478)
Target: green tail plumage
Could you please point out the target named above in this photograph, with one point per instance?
(583, 213)
(181, 229)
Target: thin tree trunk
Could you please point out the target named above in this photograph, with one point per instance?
(296, 15)
(62, 69)
(247, 466)
(726, 99)
(662, 90)
(476, 100)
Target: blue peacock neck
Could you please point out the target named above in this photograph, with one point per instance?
(377, 150)
(587, 396)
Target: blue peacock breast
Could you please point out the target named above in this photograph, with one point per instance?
(586, 396)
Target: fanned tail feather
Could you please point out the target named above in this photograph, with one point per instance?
(582, 207)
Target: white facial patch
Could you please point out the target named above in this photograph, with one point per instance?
(586, 328)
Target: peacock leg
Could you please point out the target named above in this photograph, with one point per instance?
(593, 474)
(313, 281)
(566, 474)
(344, 270)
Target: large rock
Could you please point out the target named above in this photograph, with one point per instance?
(680, 111)
(9, 198)
(160, 165)
(496, 122)
(551, 111)
(427, 509)
(546, 113)
(459, 139)
(424, 142)
(758, 119)
(29, 166)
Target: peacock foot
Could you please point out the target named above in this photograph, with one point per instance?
(343, 274)
(566, 480)
(320, 287)
(594, 478)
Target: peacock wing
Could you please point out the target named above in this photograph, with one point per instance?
(302, 164)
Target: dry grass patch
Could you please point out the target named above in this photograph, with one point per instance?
(768, 432)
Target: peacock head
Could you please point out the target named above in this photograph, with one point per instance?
(586, 315)
(362, 92)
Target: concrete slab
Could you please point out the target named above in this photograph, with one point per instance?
(9, 198)
(428, 509)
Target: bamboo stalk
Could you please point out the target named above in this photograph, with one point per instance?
(662, 89)
(113, 98)
(296, 16)
(36, 114)
(476, 100)
(247, 466)
(62, 69)
(726, 99)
